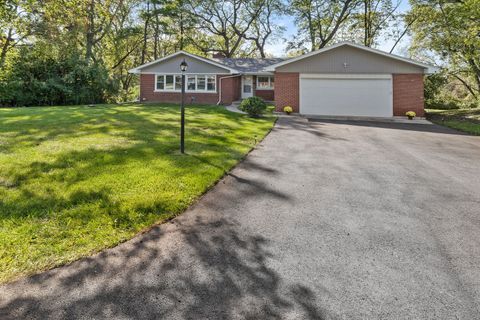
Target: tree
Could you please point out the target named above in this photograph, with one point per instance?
(375, 18)
(263, 28)
(17, 24)
(224, 24)
(318, 21)
(451, 31)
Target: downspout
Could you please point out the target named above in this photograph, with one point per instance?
(220, 88)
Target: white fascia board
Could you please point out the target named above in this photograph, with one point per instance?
(139, 68)
(428, 68)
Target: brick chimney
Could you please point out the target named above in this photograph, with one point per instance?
(218, 55)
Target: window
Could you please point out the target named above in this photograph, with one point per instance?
(191, 83)
(173, 82)
(201, 83)
(160, 83)
(265, 82)
(169, 82)
(210, 83)
(178, 83)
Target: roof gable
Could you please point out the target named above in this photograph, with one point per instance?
(171, 64)
(427, 68)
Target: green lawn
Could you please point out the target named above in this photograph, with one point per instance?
(467, 120)
(75, 180)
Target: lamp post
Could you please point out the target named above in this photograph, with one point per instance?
(183, 68)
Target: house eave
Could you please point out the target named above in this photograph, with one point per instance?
(138, 70)
(428, 69)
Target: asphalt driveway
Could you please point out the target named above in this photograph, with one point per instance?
(324, 220)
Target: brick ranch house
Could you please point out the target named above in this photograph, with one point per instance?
(345, 79)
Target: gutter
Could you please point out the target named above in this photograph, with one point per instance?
(220, 88)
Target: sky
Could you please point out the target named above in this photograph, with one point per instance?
(278, 49)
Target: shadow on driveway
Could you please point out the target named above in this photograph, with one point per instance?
(198, 266)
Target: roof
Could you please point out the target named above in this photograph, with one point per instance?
(191, 55)
(428, 68)
(249, 65)
(268, 65)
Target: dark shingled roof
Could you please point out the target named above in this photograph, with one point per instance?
(248, 65)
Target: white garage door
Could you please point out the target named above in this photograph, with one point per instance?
(346, 95)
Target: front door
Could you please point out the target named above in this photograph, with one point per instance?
(247, 86)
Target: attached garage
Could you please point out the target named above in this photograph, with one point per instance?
(347, 80)
(346, 95)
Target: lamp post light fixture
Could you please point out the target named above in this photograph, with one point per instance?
(183, 68)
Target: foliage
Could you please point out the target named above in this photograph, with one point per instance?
(318, 21)
(75, 180)
(36, 78)
(287, 109)
(254, 106)
(321, 22)
(371, 19)
(270, 109)
(111, 37)
(227, 26)
(449, 31)
(432, 86)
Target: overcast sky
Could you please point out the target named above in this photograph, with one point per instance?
(278, 49)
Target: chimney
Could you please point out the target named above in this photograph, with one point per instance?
(218, 55)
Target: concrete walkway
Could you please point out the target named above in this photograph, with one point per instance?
(324, 220)
(234, 108)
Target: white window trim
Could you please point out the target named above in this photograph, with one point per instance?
(269, 84)
(206, 75)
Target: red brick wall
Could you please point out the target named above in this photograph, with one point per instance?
(230, 92)
(266, 95)
(408, 94)
(286, 90)
(231, 89)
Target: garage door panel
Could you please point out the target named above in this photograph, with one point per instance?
(346, 97)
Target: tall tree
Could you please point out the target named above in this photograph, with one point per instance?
(100, 15)
(17, 23)
(263, 28)
(224, 24)
(318, 21)
(451, 31)
(375, 18)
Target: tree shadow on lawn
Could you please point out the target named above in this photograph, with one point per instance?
(37, 125)
(192, 268)
(72, 167)
(60, 187)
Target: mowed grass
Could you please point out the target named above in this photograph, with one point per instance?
(466, 120)
(75, 180)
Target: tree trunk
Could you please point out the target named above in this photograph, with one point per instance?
(5, 48)
(156, 33)
(476, 74)
(145, 34)
(90, 36)
(181, 31)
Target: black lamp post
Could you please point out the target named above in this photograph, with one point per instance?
(183, 68)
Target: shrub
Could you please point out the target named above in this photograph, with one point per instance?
(254, 106)
(287, 109)
(270, 109)
(40, 77)
(442, 104)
